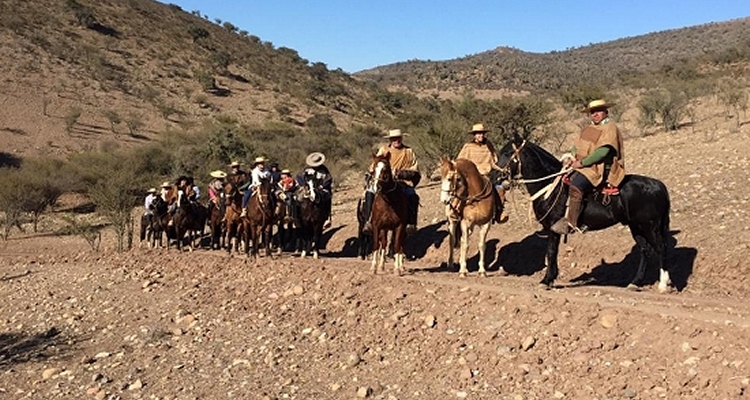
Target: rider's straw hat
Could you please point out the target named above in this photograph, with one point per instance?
(166, 185)
(598, 104)
(260, 160)
(218, 174)
(315, 159)
(395, 133)
(152, 190)
(478, 128)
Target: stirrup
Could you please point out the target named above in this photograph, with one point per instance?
(243, 214)
(367, 228)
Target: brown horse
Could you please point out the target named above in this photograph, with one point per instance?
(216, 212)
(259, 219)
(233, 221)
(469, 201)
(389, 213)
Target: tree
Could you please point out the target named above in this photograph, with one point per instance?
(44, 183)
(11, 199)
(71, 118)
(113, 118)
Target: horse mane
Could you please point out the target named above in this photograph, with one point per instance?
(465, 166)
(544, 157)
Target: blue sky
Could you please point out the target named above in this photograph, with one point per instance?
(358, 34)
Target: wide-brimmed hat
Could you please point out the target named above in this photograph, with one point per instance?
(218, 174)
(598, 104)
(166, 185)
(235, 164)
(395, 133)
(478, 128)
(260, 160)
(315, 159)
(286, 171)
(152, 190)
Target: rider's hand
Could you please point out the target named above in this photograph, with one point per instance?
(576, 164)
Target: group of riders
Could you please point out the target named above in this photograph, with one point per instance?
(592, 153)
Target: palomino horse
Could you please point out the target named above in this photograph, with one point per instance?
(389, 213)
(259, 218)
(310, 217)
(233, 222)
(469, 201)
(643, 205)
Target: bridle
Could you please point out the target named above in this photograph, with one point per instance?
(383, 176)
(453, 183)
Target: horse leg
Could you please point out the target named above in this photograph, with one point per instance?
(451, 242)
(553, 245)
(317, 233)
(375, 250)
(399, 236)
(465, 232)
(482, 244)
(383, 249)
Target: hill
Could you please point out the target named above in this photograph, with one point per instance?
(607, 63)
(81, 72)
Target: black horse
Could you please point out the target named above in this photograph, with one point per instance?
(643, 205)
(364, 209)
(310, 216)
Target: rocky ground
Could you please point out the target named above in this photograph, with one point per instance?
(157, 324)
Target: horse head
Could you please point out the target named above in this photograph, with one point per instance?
(263, 192)
(383, 176)
(231, 194)
(451, 182)
(509, 156)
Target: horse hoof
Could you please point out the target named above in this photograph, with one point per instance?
(462, 274)
(544, 286)
(664, 289)
(633, 287)
(483, 274)
(502, 272)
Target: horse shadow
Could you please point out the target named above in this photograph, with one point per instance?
(524, 258)
(327, 235)
(431, 235)
(472, 263)
(680, 259)
(21, 347)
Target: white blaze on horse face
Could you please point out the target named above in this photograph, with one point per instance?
(378, 172)
(311, 185)
(445, 190)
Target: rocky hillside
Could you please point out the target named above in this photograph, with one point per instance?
(614, 61)
(77, 72)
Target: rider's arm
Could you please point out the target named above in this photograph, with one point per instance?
(597, 156)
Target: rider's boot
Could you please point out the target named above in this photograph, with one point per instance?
(569, 224)
(500, 216)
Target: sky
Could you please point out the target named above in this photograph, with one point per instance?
(355, 35)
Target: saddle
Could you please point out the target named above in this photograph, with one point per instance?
(605, 188)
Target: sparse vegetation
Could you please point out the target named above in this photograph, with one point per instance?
(71, 118)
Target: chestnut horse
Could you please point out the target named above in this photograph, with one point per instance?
(259, 219)
(470, 203)
(389, 213)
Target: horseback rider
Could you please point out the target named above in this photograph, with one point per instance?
(216, 188)
(236, 175)
(482, 153)
(598, 159)
(166, 187)
(319, 172)
(258, 173)
(275, 172)
(406, 170)
(285, 188)
(148, 202)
